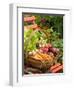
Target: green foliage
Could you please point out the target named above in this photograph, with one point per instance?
(58, 44)
(31, 38)
(54, 38)
(56, 22)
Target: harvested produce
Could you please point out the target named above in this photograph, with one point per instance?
(40, 61)
(57, 69)
(43, 44)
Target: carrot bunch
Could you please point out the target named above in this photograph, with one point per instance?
(56, 68)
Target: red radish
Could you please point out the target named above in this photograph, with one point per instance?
(49, 45)
(54, 50)
(41, 51)
(51, 54)
(44, 49)
(57, 49)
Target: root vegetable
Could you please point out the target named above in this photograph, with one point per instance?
(55, 66)
(57, 69)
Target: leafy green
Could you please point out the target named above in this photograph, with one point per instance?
(31, 39)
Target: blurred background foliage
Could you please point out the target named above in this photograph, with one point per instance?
(54, 21)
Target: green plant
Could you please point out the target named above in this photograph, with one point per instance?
(31, 38)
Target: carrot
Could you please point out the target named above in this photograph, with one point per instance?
(45, 56)
(55, 66)
(57, 69)
(27, 19)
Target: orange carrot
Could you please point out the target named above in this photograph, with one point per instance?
(27, 19)
(57, 69)
(55, 66)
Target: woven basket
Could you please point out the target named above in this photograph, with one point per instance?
(40, 61)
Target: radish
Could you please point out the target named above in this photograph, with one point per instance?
(49, 45)
(44, 49)
(54, 50)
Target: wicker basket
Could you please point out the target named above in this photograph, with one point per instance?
(40, 61)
